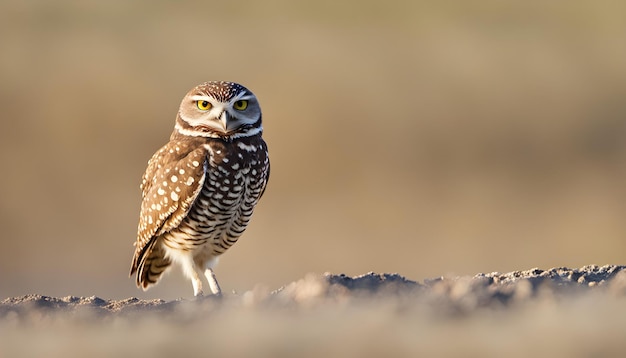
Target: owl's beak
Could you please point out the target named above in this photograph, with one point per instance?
(224, 121)
(227, 123)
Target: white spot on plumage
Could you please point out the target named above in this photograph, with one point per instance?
(174, 178)
(181, 172)
(190, 181)
(246, 147)
(195, 163)
(160, 191)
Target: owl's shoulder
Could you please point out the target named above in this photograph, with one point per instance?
(176, 156)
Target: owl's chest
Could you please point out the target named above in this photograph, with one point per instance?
(235, 175)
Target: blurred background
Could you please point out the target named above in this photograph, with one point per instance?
(425, 138)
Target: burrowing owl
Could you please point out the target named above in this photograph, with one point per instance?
(200, 189)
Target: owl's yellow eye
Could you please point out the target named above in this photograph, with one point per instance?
(241, 105)
(204, 105)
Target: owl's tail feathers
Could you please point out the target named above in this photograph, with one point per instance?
(150, 264)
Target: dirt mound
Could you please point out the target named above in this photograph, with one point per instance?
(559, 312)
(442, 294)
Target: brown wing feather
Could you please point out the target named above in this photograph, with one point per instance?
(170, 185)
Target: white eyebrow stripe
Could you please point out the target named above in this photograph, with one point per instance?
(202, 98)
(242, 95)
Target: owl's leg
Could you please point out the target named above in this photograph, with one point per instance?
(196, 283)
(191, 270)
(215, 287)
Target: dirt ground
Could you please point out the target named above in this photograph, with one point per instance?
(560, 312)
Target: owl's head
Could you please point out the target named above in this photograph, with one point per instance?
(219, 110)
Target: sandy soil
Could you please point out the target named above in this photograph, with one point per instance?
(558, 312)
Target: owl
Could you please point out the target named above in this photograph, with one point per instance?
(200, 189)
